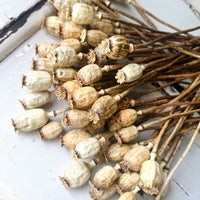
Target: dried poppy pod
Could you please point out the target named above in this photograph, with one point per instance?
(123, 118)
(117, 151)
(89, 74)
(130, 195)
(76, 118)
(128, 182)
(93, 37)
(64, 74)
(63, 5)
(88, 148)
(36, 99)
(151, 174)
(105, 177)
(33, 119)
(72, 138)
(129, 73)
(103, 108)
(103, 194)
(37, 80)
(63, 56)
(44, 48)
(67, 88)
(103, 26)
(82, 97)
(42, 64)
(134, 158)
(116, 47)
(53, 25)
(93, 127)
(50, 130)
(74, 43)
(71, 30)
(76, 175)
(82, 14)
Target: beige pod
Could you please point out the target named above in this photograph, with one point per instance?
(44, 48)
(50, 130)
(93, 37)
(134, 158)
(151, 175)
(129, 73)
(72, 138)
(53, 25)
(82, 14)
(128, 181)
(82, 97)
(76, 118)
(63, 5)
(116, 47)
(76, 175)
(74, 43)
(37, 80)
(41, 64)
(117, 151)
(71, 30)
(128, 196)
(36, 99)
(62, 56)
(89, 74)
(92, 127)
(126, 134)
(105, 177)
(103, 108)
(30, 120)
(64, 74)
(122, 119)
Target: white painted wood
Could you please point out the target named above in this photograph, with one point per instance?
(30, 167)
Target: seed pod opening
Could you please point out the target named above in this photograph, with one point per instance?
(41, 64)
(72, 138)
(126, 134)
(53, 25)
(37, 80)
(103, 108)
(129, 73)
(93, 37)
(36, 99)
(82, 97)
(105, 177)
(128, 181)
(64, 74)
(123, 118)
(82, 14)
(89, 74)
(30, 120)
(76, 118)
(62, 56)
(116, 152)
(44, 48)
(116, 47)
(76, 175)
(50, 130)
(151, 175)
(87, 148)
(74, 43)
(134, 158)
(71, 30)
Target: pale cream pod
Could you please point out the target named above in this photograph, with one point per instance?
(64, 74)
(42, 64)
(63, 5)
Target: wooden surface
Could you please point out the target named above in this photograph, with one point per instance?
(31, 167)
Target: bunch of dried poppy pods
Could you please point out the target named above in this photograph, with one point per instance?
(100, 60)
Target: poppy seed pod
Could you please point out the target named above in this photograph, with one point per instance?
(50, 130)
(72, 138)
(122, 119)
(74, 43)
(36, 99)
(89, 74)
(63, 4)
(76, 174)
(151, 174)
(41, 64)
(116, 47)
(37, 80)
(82, 14)
(64, 74)
(44, 48)
(92, 127)
(129, 73)
(128, 196)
